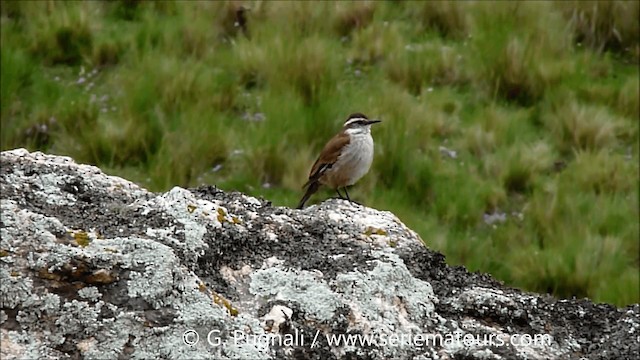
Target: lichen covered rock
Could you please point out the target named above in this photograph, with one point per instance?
(93, 266)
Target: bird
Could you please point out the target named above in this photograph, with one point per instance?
(344, 160)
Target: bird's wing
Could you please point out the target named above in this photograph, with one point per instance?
(328, 156)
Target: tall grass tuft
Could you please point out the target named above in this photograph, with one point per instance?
(604, 25)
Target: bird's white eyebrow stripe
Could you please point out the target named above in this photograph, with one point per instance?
(351, 121)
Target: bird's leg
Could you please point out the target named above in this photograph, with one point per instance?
(348, 198)
(338, 191)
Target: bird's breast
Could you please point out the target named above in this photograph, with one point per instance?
(354, 161)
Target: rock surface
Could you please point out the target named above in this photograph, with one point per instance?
(93, 266)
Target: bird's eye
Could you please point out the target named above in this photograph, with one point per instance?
(357, 123)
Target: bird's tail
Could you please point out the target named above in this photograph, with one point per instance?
(312, 187)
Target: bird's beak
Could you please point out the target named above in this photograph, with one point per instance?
(373, 122)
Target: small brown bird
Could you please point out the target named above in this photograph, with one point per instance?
(344, 159)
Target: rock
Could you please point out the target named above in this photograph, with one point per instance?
(93, 266)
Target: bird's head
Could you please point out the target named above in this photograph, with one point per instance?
(358, 123)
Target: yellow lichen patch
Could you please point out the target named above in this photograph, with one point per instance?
(226, 303)
(191, 208)
(221, 215)
(374, 231)
(15, 273)
(202, 287)
(393, 243)
(3, 253)
(81, 238)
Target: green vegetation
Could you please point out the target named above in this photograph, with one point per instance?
(538, 100)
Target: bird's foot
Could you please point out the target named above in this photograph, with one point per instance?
(355, 202)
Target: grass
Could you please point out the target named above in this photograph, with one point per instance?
(510, 133)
